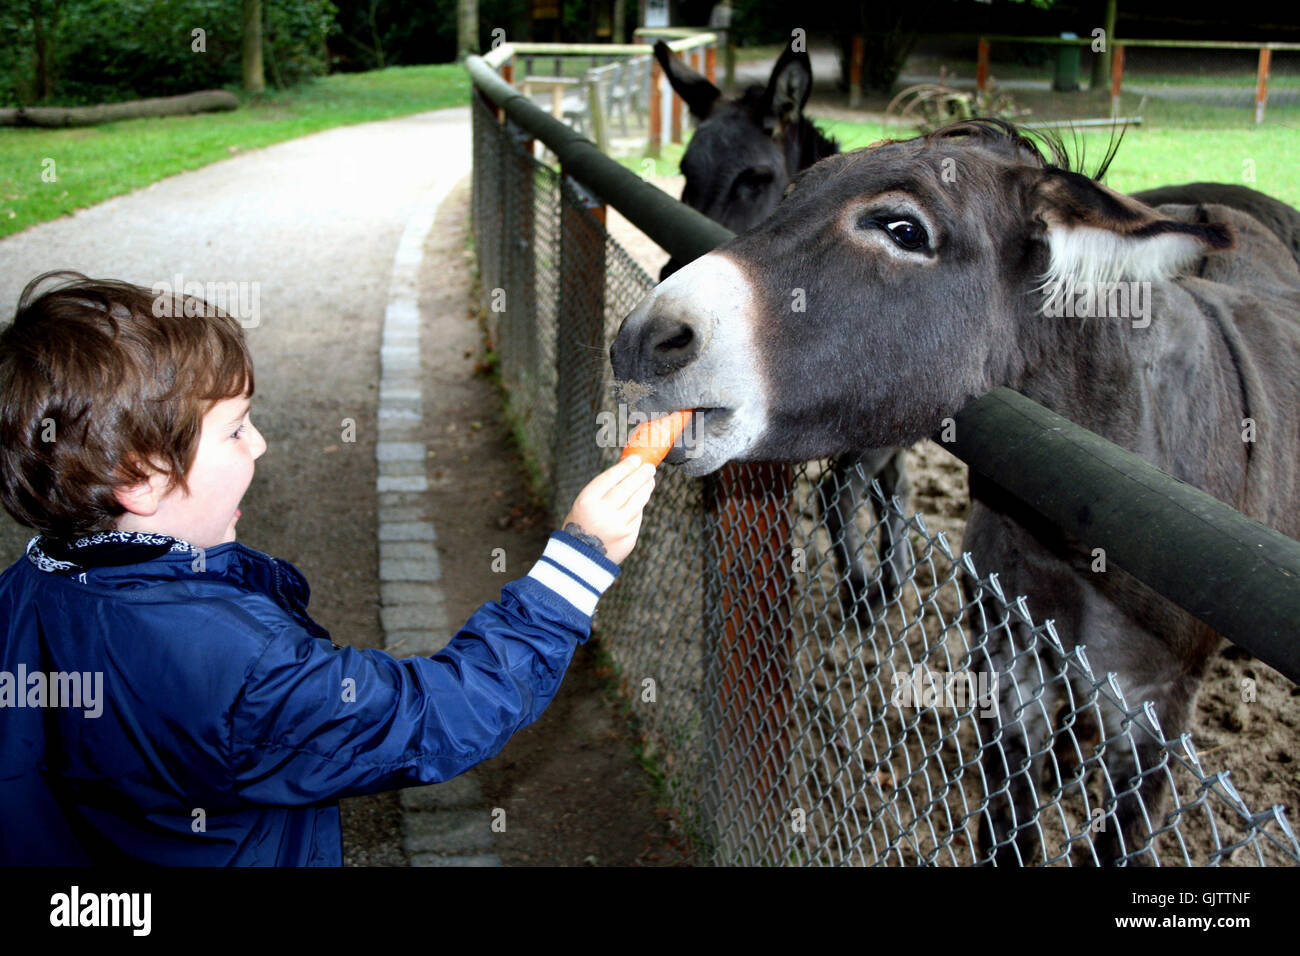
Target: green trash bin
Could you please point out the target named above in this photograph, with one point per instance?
(1067, 66)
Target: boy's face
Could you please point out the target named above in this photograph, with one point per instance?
(221, 473)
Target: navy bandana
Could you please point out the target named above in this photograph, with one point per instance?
(100, 549)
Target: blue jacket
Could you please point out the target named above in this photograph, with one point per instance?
(228, 724)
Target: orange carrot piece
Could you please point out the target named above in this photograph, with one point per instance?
(652, 440)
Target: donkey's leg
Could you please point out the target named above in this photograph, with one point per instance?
(1139, 801)
(892, 475)
(1008, 828)
(840, 492)
(1018, 746)
(837, 497)
(1158, 654)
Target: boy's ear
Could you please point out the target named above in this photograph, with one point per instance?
(143, 497)
(1095, 234)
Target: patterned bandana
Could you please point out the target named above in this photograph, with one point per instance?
(100, 549)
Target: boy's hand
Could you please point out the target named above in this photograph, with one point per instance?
(607, 513)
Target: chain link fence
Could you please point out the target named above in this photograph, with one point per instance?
(802, 706)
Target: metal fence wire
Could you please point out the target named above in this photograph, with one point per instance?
(798, 719)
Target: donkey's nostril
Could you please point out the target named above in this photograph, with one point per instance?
(677, 342)
(670, 342)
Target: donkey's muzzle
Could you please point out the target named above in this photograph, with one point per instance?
(653, 349)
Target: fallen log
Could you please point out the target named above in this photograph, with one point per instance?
(205, 101)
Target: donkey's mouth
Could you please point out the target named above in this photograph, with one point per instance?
(705, 423)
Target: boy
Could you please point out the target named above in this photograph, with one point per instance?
(164, 697)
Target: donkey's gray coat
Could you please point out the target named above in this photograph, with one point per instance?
(923, 265)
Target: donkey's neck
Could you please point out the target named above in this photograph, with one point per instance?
(1168, 390)
(807, 145)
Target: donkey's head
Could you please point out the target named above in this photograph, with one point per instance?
(746, 150)
(892, 286)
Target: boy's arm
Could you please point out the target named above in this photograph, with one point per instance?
(316, 723)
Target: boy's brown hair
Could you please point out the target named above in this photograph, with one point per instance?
(96, 385)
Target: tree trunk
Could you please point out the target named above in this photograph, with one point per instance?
(45, 22)
(202, 102)
(374, 36)
(620, 22)
(889, 35)
(254, 78)
(466, 28)
(1101, 61)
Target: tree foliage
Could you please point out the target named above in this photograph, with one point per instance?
(890, 31)
(113, 50)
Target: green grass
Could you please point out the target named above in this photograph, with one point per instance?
(850, 136)
(1158, 154)
(1162, 155)
(668, 163)
(572, 65)
(750, 54)
(98, 162)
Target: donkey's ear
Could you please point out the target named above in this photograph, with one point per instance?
(1095, 234)
(700, 95)
(789, 87)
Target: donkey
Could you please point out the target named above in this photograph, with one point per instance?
(937, 257)
(1282, 220)
(745, 151)
(737, 166)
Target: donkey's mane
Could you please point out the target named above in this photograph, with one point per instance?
(1005, 134)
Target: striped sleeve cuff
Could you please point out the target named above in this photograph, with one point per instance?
(575, 571)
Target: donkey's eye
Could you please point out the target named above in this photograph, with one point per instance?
(755, 178)
(906, 233)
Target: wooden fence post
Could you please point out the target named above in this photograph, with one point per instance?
(656, 111)
(1261, 83)
(982, 65)
(507, 74)
(1116, 78)
(749, 657)
(677, 118)
(518, 276)
(488, 103)
(855, 72)
(711, 64)
(580, 358)
(490, 184)
(596, 107)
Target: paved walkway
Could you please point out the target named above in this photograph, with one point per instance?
(329, 229)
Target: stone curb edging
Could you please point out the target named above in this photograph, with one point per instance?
(443, 824)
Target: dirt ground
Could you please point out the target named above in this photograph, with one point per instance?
(570, 784)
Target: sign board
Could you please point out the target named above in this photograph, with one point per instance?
(656, 13)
